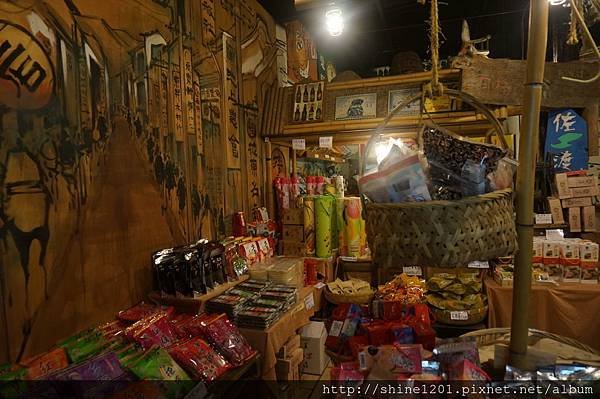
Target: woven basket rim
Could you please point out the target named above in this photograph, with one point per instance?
(443, 203)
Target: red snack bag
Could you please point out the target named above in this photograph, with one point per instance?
(199, 359)
(425, 335)
(357, 343)
(465, 370)
(155, 330)
(335, 370)
(402, 334)
(194, 326)
(46, 363)
(178, 323)
(228, 340)
(141, 311)
(378, 333)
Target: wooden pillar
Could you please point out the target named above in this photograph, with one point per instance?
(269, 179)
(590, 114)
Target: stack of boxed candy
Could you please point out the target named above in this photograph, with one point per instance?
(254, 303)
(571, 260)
(576, 191)
(397, 316)
(131, 356)
(280, 270)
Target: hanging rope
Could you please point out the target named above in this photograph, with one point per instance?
(434, 88)
(572, 38)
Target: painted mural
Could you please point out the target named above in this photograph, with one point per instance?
(118, 142)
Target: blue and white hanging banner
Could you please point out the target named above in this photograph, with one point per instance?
(567, 140)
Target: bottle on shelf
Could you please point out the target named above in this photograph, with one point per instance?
(319, 92)
(297, 113)
(299, 94)
(305, 97)
(318, 113)
(311, 112)
(304, 113)
(312, 93)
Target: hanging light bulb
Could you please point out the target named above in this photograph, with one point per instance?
(557, 2)
(334, 22)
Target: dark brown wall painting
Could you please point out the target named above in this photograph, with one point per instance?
(115, 142)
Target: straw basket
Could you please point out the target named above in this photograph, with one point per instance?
(442, 233)
(492, 336)
(474, 316)
(358, 299)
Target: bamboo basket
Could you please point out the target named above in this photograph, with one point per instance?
(474, 316)
(358, 299)
(441, 233)
(492, 336)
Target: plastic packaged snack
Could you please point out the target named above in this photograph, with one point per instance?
(228, 340)
(200, 360)
(46, 363)
(86, 345)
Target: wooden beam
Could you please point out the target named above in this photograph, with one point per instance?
(418, 77)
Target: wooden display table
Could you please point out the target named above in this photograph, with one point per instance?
(567, 309)
(192, 305)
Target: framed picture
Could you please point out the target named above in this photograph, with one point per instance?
(396, 97)
(308, 102)
(358, 106)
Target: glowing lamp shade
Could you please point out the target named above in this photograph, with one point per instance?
(334, 22)
(557, 2)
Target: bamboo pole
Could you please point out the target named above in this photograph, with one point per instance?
(528, 146)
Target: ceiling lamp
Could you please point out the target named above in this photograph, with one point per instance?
(558, 3)
(334, 22)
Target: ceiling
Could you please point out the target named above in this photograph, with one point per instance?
(378, 29)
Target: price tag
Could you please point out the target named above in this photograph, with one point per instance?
(326, 142)
(309, 302)
(412, 270)
(298, 144)
(459, 315)
(336, 328)
(479, 264)
(555, 234)
(543, 218)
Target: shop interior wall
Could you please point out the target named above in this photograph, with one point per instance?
(85, 195)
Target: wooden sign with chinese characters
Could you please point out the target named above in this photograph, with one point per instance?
(164, 102)
(198, 114)
(208, 21)
(188, 82)
(567, 140)
(230, 68)
(501, 81)
(177, 103)
(26, 74)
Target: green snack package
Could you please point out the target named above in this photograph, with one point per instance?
(86, 347)
(439, 281)
(435, 300)
(456, 288)
(12, 382)
(449, 295)
(156, 364)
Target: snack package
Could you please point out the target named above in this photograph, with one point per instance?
(46, 363)
(199, 359)
(453, 350)
(153, 330)
(465, 370)
(84, 345)
(357, 344)
(397, 359)
(102, 367)
(137, 312)
(228, 340)
(402, 334)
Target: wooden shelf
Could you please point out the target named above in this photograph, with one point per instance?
(550, 226)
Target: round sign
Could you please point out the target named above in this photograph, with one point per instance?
(26, 73)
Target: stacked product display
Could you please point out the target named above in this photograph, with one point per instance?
(145, 343)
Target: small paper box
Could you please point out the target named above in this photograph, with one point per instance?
(576, 202)
(562, 186)
(589, 218)
(556, 210)
(575, 219)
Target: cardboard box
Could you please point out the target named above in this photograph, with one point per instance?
(589, 218)
(289, 369)
(581, 181)
(571, 273)
(575, 219)
(312, 338)
(319, 294)
(590, 191)
(294, 216)
(555, 271)
(589, 274)
(562, 186)
(556, 210)
(576, 202)
(293, 232)
(293, 248)
(289, 347)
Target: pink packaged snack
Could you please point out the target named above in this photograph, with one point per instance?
(199, 359)
(140, 311)
(154, 330)
(228, 340)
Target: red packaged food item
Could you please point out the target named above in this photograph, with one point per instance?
(378, 333)
(153, 330)
(335, 370)
(402, 333)
(425, 335)
(178, 324)
(228, 340)
(398, 359)
(199, 359)
(357, 343)
(46, 363)
(194, 326)
(141, 311)
(465, 370)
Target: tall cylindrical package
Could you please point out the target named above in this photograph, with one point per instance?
(341, 231)
(323, 217)
(353, 224)
(309, 225)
